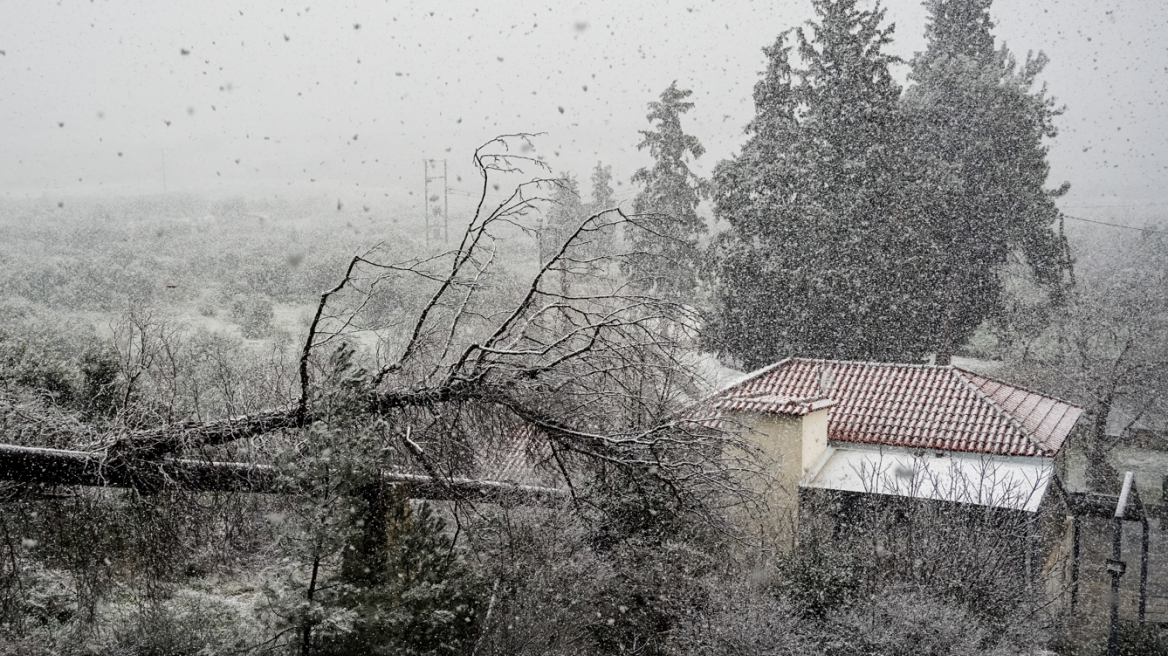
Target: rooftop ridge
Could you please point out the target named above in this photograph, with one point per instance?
(871, 363)
(775, 403)
(1028, 390)
(747, 377)
(1005, 414)
(801, 399)
(762, 371)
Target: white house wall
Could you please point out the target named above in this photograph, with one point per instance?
(1013, 482)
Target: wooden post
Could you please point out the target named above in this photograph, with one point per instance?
(426, 199)
(1030, 559)
(445, 206)
(1075, 563)
(1144, 568)
(1116, 566)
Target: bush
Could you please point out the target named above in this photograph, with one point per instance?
(97, 394)
(1133, 639)
(818, 581)
(190, 624)
(1136, 639)
(254, 315)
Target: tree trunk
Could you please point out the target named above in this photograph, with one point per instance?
(21, 464)
(152, 443)
(386, 513)
(306, 636)
(945, 345)
(1101, 476)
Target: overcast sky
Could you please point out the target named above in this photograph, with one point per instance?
(348, 98)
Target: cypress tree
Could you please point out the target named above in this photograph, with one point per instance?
(822, 258)
(564, 217)
(666, 263)
(975, 115)
(600, 243)
(601, 187)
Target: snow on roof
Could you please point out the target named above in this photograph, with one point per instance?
(910, 405)
(773, 404)
(1016, 483)
(522, 456)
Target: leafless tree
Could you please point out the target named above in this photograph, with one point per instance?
(596, 371)
(447, 360)
(1107, 347)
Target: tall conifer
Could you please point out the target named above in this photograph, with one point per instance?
(867, 225)
(976, 115)
(667, 251)
(821, 257)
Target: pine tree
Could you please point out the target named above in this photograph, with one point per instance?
(668, 256)
(383, 576)
(827, 220)
(564, 217)
(601, 188)
(408, 592)
(976, 116)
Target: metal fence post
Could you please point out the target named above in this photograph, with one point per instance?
(1116, 566)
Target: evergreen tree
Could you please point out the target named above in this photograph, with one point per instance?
(364, 572)
(756, 193)
(601, 188)
(407, 591)
(750, 189)
(851, 116)
(824, 255)
(564, 217)
(976, 116)
(668, 256)
(600, 242)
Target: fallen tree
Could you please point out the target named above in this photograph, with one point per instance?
(420, 376)
(54, 467)
(574, 352)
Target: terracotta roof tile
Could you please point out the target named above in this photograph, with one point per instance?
(916, 406)
(771, 403)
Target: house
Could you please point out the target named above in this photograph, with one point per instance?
(901, 430)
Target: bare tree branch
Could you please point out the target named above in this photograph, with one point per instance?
(594, 367)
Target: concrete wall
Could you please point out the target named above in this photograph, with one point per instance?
(814, 439)
(791, 445)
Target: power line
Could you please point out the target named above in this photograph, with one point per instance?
(1089, 207)
(1113, 225)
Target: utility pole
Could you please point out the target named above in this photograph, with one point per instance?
(445, 206)
(429, 164)
(426, 199)
(1115, 565)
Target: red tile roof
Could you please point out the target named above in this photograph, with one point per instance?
(522, 456)
(519, 455)
(916, 406)
(771, 403)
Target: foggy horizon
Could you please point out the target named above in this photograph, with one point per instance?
(348, 101)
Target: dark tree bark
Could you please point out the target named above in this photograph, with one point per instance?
(58, 467)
